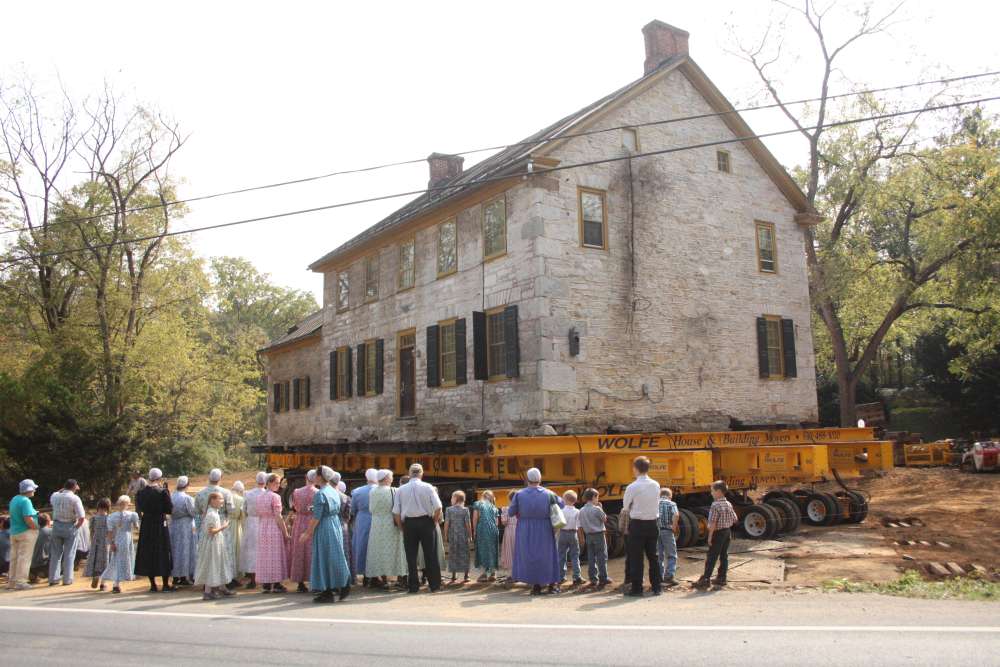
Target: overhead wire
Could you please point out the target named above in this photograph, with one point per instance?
(551, 136)
(478, 182)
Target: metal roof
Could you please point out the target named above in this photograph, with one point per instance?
(310, 325)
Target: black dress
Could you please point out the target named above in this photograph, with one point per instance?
(152, 557)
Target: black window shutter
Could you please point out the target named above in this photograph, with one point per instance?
(461, 365)
(480, 371)
(513, 351)
(349, 384)
(286, 394)
(276, 399)
(379, 365)
(333, 375)
(433, 371)
(296, 389)
(361, 369)
(307, 391)
(762, 365)
(788, 347)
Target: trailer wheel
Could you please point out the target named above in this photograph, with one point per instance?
(779, 519)
(820, 510)
(689, 529)
(616, 543)
(701, 522)
(838, 510)
(792, 514)
(758, 523)
(859, 507)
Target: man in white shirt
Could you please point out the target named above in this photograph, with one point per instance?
(417, 510)
(642, 502)
(67, 517)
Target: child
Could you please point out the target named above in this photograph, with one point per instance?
(667, 522)
(509, 533)
(121, 564)
(40, 556)
(721, 518)
(214, 569)
(568, 544)
(97, 556)
(458, 529)
(486, 519)
(591, 521)
(4, 544)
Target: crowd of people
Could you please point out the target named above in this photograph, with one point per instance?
(386, 536)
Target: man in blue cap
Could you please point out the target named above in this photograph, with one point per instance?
(23, 533)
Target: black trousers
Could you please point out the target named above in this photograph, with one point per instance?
(718, 551)
(419, 532)
(643, 536)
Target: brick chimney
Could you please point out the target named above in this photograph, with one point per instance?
(443, 168)
(663, 41)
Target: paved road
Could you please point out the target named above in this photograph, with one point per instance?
(496, 627)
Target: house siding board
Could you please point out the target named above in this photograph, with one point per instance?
(688, 350)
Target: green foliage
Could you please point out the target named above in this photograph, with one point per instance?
(912, 585)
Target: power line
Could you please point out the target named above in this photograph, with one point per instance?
(471, 184)
(548, 137)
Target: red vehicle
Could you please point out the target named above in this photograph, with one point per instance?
(982, 457)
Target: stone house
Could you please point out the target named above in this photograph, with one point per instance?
(588, 277)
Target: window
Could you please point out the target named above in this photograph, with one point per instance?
(343, 291)
(630, 139)
(776, 347)
(496, 351)
(767, 255)
(447, 251)
(406, 265)
(343, 372)
(370, 368)
(371, 278)
(722, 161)
(495, 228)
(446, 346)
(276, 397)
(593, 218)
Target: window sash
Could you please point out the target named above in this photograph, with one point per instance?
(722, 161)
(371, 278)
(447, 255)
(407, 253)
(593, 219)
(766, 260)
(495, 228)
(343, 291)
(775, 356)
(370, 367)
(496, 349)
(446, 351)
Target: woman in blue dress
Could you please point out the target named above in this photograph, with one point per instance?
(183, 541)
(536, 561)
(362, 522)
(329, 569)
(485, 517)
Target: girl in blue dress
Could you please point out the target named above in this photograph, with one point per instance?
(329, 569)
(122, 561)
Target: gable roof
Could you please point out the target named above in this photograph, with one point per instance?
(510, 159)
(304, 329)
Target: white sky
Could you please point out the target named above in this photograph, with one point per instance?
(280, 90)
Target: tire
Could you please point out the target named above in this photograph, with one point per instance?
(819, 509)
(689, 529)
(701, 523)
(859, 507)
(792, 513)
(616, 543)
(779, 519)
(759, 522)
(838, 510)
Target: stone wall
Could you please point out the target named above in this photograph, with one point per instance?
(297, 360)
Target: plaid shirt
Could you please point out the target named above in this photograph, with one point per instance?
(721, 515)
(668, 510)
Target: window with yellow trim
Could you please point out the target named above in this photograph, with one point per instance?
(775, 355)
(767, 254)
(446, 348)
(407, 265)
(447, 249)
(496, 349)
(343, 362)
(495, 227)
(371, 278)
(722, 162)
(370, 360)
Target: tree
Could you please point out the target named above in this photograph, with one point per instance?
(897, 223)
